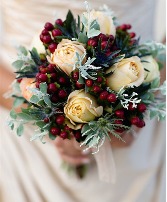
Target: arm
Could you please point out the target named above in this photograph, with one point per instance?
(6, 78)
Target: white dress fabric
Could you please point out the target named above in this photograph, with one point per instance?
(31, 171)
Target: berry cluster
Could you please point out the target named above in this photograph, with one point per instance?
(124, 29)
(50, 35)
(105, 41)
(132, 116)
(56, 82)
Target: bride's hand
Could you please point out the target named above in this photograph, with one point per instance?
(71, 152)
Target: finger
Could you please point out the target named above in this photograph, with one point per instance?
(75, 160)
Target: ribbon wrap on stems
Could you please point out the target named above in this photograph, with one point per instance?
(105, 163)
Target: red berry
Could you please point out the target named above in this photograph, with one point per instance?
(48, 26)
(135, 120)
(60, 119)
(64, 135)
(108, 53)
(54, 98)
(89, 82)
(120, 130)
(77, 135)
(132, 42)
(99, 79)
(111, 37)
(43, 78)
(53, 76)
(130, 107)
(132, 35)
(62, 80)
(46, 39)
(55, 131)
(104, 44)
(118, 122)
(37, 84)
(119, 113)
(75, 76)
(103, 37)
(59, 22)
(52, 88)
(43, 69)
(45, 32)
(123, 27)
(140, 124)
(103, 95)
(19, 80)
(79, 85)
(141, 107)
(46, 120)
(67, 128)
(51, 68)
(56, 32)
(92, 42)
(128, 26)
(96, 89)
(62, 94)
(41, 37)
(52, 47)
(111, 97)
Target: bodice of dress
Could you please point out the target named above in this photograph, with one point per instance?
(22, 19)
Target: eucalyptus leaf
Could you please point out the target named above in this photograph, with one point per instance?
(22, 50)
(43, 88)
(82, 38)
(34, 99)
(24, 116)
(47, 100)
(20, 130)
(13, 114)
(18, 64)
(18, 101)
(52, 137)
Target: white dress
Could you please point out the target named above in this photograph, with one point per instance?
(31, 171)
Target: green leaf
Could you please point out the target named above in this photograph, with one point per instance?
(18, 101)
(11, 124)
(35, 56)
(24, 116)
(69, 20)
(47, 100)
(13, 114)
(43, 88)
(52, 137)
(18, 64)
(20, 130)
(34, 99)
(82, 38)
(23, 50)
(155, 83)
(93, 33)
(40, 124)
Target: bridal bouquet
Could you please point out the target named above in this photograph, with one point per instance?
(91, 80)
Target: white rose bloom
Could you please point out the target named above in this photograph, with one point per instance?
(65, 55)
(105, 21)
(127, 72)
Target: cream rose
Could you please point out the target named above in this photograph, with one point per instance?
(25, 84)
(105, 21)
(127, 72)
(81, 108)
(151, 68)
(65, 54)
